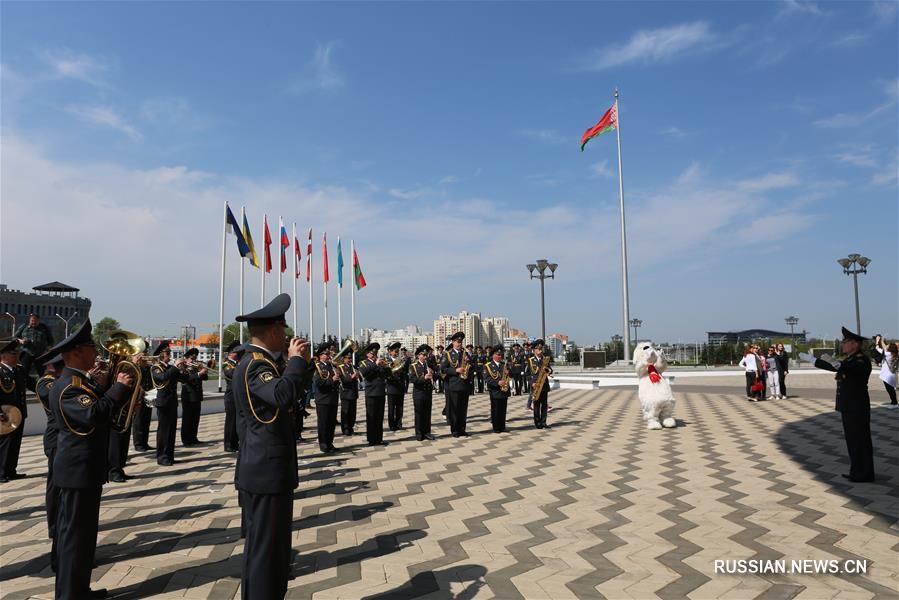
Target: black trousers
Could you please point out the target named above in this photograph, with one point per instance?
(76, 539)
(540, 409)
(458, 412)
(167, 423)
(782, 376)
(10, 445)
(267, 550)
(857, 430)
(374, 419)
(750, 379)
(347, 415)
(51, 500)
(190, 421)
(117, 452)
(422, 407)
(327, 422)
(230, 432)
(519, 383)
(140, 427)
(891, 392)
(395, 411)
(479, 376)
(498, 413)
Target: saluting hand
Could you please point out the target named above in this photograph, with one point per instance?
(299, 347)
(125, 379)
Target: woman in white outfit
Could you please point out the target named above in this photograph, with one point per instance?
(750, 363)
(888, 367)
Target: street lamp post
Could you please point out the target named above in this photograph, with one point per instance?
(541, 267)
(792, 321)
(849, 268)
(67, 321)
(635, 323)
(617, 339)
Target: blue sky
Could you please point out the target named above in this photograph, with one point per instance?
(759, 142)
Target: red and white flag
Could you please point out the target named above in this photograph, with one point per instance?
(325, 246)
(298, 255)
(309, 256)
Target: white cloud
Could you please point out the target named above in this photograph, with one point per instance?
(173, 112)
(885, 12)
(403, 194)
(850, 40)
(768, 182)
(854, 119)
(859, 155)
(320, 72)
(550, 136)
(602, 169)
(650, 46)
(889, 175)
(67, 64)
(674, 132)
(799, 7)
(104, 116)
(448, 180)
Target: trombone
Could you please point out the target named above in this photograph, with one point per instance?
(121, 345)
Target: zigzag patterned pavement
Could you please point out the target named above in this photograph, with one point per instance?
(594, 507)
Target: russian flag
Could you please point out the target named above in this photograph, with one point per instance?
(285, 243)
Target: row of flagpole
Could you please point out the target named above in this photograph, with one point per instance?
(247, 250)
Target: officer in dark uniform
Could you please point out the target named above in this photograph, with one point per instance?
(435, 365)
(541, 402)
(349, 393)
(854, 405)
(375, 374)
(82, 410)
(396, 390)
(499, 397)
(266, 470)
(52, 366)
(421, 375)
(516, 367)
(327, 393)
(192, 398)
(165, 379)
(143, 414)
(458, 384)
(479, 360)
(14, 381)
(230, 434)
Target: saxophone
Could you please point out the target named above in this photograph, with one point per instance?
(542, 375)
(466, 365)
(504, 382)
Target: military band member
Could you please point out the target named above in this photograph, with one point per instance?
(528, 376)
(375, 373)
(422, 375)
(436, 357)
(230, 433)
(349, 393)
(13, 384)
(192, 398)
(480, 359)
(516, 367)
(456, 366)
(396, 389)
(326, 379)
(540, 403)
(82, 411)
(404, 354)
(499, 391)
(266, 470)
(853, 404)
(143, 414)
(166, 378)
(53, 366)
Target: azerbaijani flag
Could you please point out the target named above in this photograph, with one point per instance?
(254, 260)
(296, 251)
(608, 122)
(358, 277)
(325, 245)
(285, 243)
(309, 256)
(339, 264)
(267, 239)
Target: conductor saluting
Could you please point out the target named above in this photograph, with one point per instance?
(266, 470)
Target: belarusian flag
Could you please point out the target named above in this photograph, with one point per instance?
(358, 278)
(608, 122)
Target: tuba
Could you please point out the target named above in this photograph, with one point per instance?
(120, 345)
(348, 346)
(398, 366)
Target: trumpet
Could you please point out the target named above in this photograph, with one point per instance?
(197, 366)
(148, 361)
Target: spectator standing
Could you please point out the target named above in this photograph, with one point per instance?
(34, 339)
(751, 365)
(889, 365)
(783, 367)
(772, 363)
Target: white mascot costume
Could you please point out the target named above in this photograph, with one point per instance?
(656, 398)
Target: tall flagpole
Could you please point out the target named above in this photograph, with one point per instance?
(262, 287)
(309, 278)
(627, 312)
(293, 244)
(353, 292)
(281, 246)
(339, 288)
(325, 283)
(242, 261)
(222, 298)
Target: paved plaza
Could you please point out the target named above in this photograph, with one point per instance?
(594, 507)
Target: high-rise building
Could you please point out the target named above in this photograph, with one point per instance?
(410, 337)
(479, 331)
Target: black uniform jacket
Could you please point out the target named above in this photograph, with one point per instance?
(228, 374)
(192, 388)
(166, 378)
(82, 411)
(43, 387)
(852, 382)
(533, 369)
(267, 462)
(375, 377)
(396, 384)
(452, 359)
(326, 389)
(422, 389)
(349, 387)
(13, 384)
(494, 374)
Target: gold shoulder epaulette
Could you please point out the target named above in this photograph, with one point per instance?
(258, 356)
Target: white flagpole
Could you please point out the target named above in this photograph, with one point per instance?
(262, 266)
(309, 275)
(293, 242)
(242, 261)
(222, 297)
(280, 274)
(325, 283)
(339, 287)
(624, 290)
(353, 292)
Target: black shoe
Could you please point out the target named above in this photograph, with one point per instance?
(142, 448)
(117, 478)
(165, 462)
(420, 438)
(18, 476)
(4, 480)
(428, 436)
(332, 449)
(464, 434)
(230, 449)
(322, 448)
(101, 593)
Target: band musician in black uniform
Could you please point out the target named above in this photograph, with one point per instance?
(165, 379)
(53, 367)
(421, 376)
(499, 389)
(143, 414)
(541, 401)
(326, 380)
(230, 433)
(375, 373)
(14, 381)
(349, 393)
(82, 410)
(457, 368)
(853, 404)
(192, 398)
(396, 388)
(266, 470)
(516, 362)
